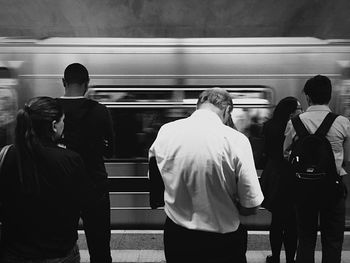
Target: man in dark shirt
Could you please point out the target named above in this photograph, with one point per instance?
(89, 131)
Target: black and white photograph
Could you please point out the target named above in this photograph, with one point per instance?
(174, 131)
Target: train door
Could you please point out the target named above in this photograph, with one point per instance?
(8, 105)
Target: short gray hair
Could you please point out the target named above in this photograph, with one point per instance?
(217, 96)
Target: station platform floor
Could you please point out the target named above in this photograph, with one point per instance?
(129, 246)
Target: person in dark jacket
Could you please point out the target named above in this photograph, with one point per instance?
(276, 182)
(89, 132)
(43, 187)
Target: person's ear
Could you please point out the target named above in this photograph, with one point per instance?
(227, 114)
(54, 128)
(308, 99)
(86, 86)
(229, 110)
(64, 82)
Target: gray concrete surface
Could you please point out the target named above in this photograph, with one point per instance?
(153, 240)
(147, 246)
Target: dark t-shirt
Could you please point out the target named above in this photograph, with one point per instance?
(43, 225)
(95, 122)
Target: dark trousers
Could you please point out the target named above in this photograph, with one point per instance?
(185, 245)
(332, 226)
(97, 226)
(283, 229)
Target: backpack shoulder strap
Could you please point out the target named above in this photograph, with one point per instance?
(326, 124)
(299, 127)
(3, 154)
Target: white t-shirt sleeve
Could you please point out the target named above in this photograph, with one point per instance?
(248, 186)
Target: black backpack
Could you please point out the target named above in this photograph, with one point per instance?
(312, 162)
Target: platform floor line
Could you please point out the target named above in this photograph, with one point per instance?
(154, 256)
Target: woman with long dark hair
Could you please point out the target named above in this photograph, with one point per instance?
(276, 181)
(42, 189)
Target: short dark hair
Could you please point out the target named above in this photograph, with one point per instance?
(319, 89)
(76, 73)
(216, 96)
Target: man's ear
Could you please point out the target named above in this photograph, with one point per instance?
(54, 126)
(308, 99)
(228, 110)
(86, 87)
(64, 82)
(226, 114)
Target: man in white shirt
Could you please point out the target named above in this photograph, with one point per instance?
(209, 180)
(331, 216)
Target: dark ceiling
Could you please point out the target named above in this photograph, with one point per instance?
(175, 18)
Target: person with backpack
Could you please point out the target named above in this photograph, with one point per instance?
(276, 182)
(89, 132)
(317, 144)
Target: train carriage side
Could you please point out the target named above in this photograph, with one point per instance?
(147, 82)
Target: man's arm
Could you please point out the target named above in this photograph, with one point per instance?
(249, 192)
(245, 211)
(156, 194)
(288, 140)
(346, 147)
(108, 134)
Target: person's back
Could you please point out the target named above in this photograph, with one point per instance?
(44, 225)
(330, 214)
(43, 189)
(210, 179)
(276, 182)
(274, 138)
(336, 135)
(194, 143)
(86, 125)
(89, 131)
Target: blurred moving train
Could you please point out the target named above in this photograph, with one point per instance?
(147, 82)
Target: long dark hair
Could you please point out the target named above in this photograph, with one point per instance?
(284, 109)
(34, 126)
(274, 128)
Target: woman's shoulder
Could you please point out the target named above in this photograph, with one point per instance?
(59, 154)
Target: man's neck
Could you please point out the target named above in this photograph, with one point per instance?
(213, 108)
(73, 92)
(315, 104)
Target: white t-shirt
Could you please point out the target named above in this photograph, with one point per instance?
(207, 168)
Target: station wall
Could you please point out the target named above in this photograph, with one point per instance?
(175, 18)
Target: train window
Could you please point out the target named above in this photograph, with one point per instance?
(8, 106)
(139, 112)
